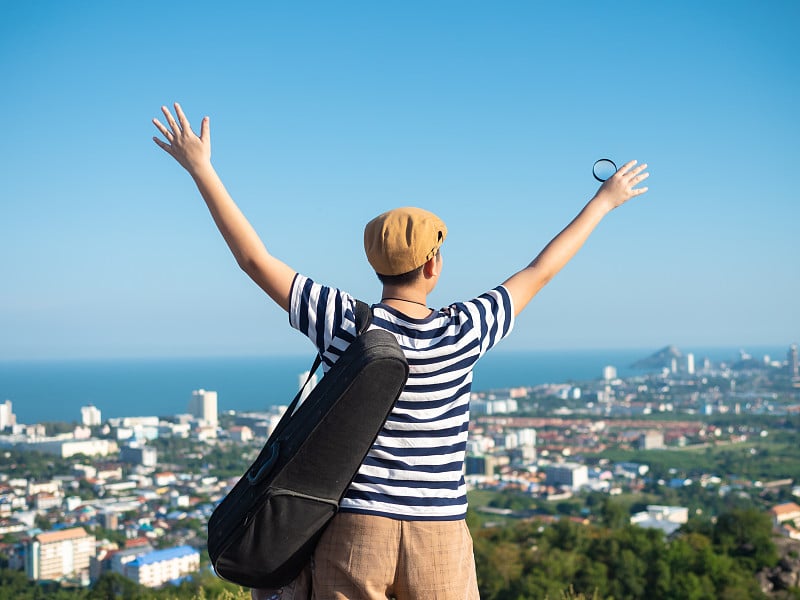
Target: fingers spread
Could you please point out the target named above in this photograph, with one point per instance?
(164, 131)
(170, 121)
(627, 166)
(182, 118)
(163, 145)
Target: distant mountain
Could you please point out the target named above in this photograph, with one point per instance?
(658, 360)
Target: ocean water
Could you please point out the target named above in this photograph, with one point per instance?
(44, 391)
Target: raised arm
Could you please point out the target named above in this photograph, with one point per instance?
(620, 188)
(193, 153)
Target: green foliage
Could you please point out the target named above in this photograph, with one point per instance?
(14, 585)
(225, 459)
(533, 561)
(774, 457)
(35, 465)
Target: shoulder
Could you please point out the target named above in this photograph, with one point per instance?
(321, 302)
(308, 292)
(497, 302)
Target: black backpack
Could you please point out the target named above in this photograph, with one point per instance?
(264, 531)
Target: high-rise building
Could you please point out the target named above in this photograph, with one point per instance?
(203, 405)
(7, 417)
(792, 358)
(609, 373)
(690, 363)
(90, 416)
(57, 555)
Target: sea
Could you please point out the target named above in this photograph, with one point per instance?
(55, 390)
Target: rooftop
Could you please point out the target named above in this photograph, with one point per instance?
(163, 555)
(50, 537)
(785, 509)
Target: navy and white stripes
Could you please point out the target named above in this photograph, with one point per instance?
(414, 470)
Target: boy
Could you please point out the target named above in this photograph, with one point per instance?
(400, 532)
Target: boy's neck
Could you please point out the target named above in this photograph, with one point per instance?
(409, 300)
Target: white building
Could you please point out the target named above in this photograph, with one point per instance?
(138, 454)
(90, 416)
(652, 439)
(7, 416)
(571, 475)
(121, 558)
(788, 511)
(203, 406)
(793, 362)
(66, 447)
(56, 555)
(161, 566)
(526, 436)
(690, 363)
(241, 433)
(494, 406)
(609, 373)
(666, 518)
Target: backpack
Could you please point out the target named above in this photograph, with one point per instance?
(264, 531)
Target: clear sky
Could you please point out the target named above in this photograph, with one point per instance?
(324, 114)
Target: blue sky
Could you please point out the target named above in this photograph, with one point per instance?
(325, 114)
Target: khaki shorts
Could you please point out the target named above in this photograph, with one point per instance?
(363, 557)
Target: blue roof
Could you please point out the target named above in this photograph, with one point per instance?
(162, 555)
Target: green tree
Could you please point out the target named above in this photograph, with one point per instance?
(746, 535)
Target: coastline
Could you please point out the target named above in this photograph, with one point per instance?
(54, 390)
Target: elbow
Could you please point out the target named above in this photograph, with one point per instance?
(247, 263)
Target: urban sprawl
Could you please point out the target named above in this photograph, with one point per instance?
(136, 492)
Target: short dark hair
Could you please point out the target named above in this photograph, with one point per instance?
(402, 279)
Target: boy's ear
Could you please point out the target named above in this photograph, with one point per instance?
(431, 268)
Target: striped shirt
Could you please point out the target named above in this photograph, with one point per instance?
(414, 470)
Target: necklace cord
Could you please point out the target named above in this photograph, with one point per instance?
(404, 300)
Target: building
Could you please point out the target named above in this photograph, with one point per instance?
(666, 518)
(690, 363)
(135, 454)
(794, 362)
(241, 433)
(162, 566)
(651, 440)
(571, 475)
(7, 417)
(609, 373)
(482, 465)
(782, 513)
(494, 406)
(109, 559)
(70, 447)
(203, 406)
(57, 555)
(90, 416)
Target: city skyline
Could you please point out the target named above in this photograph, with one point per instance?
(76, 390)
(489, 116)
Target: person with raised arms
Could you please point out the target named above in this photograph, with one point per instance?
(400, 532)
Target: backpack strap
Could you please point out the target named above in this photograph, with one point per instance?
(363, 317)
(363, 314)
